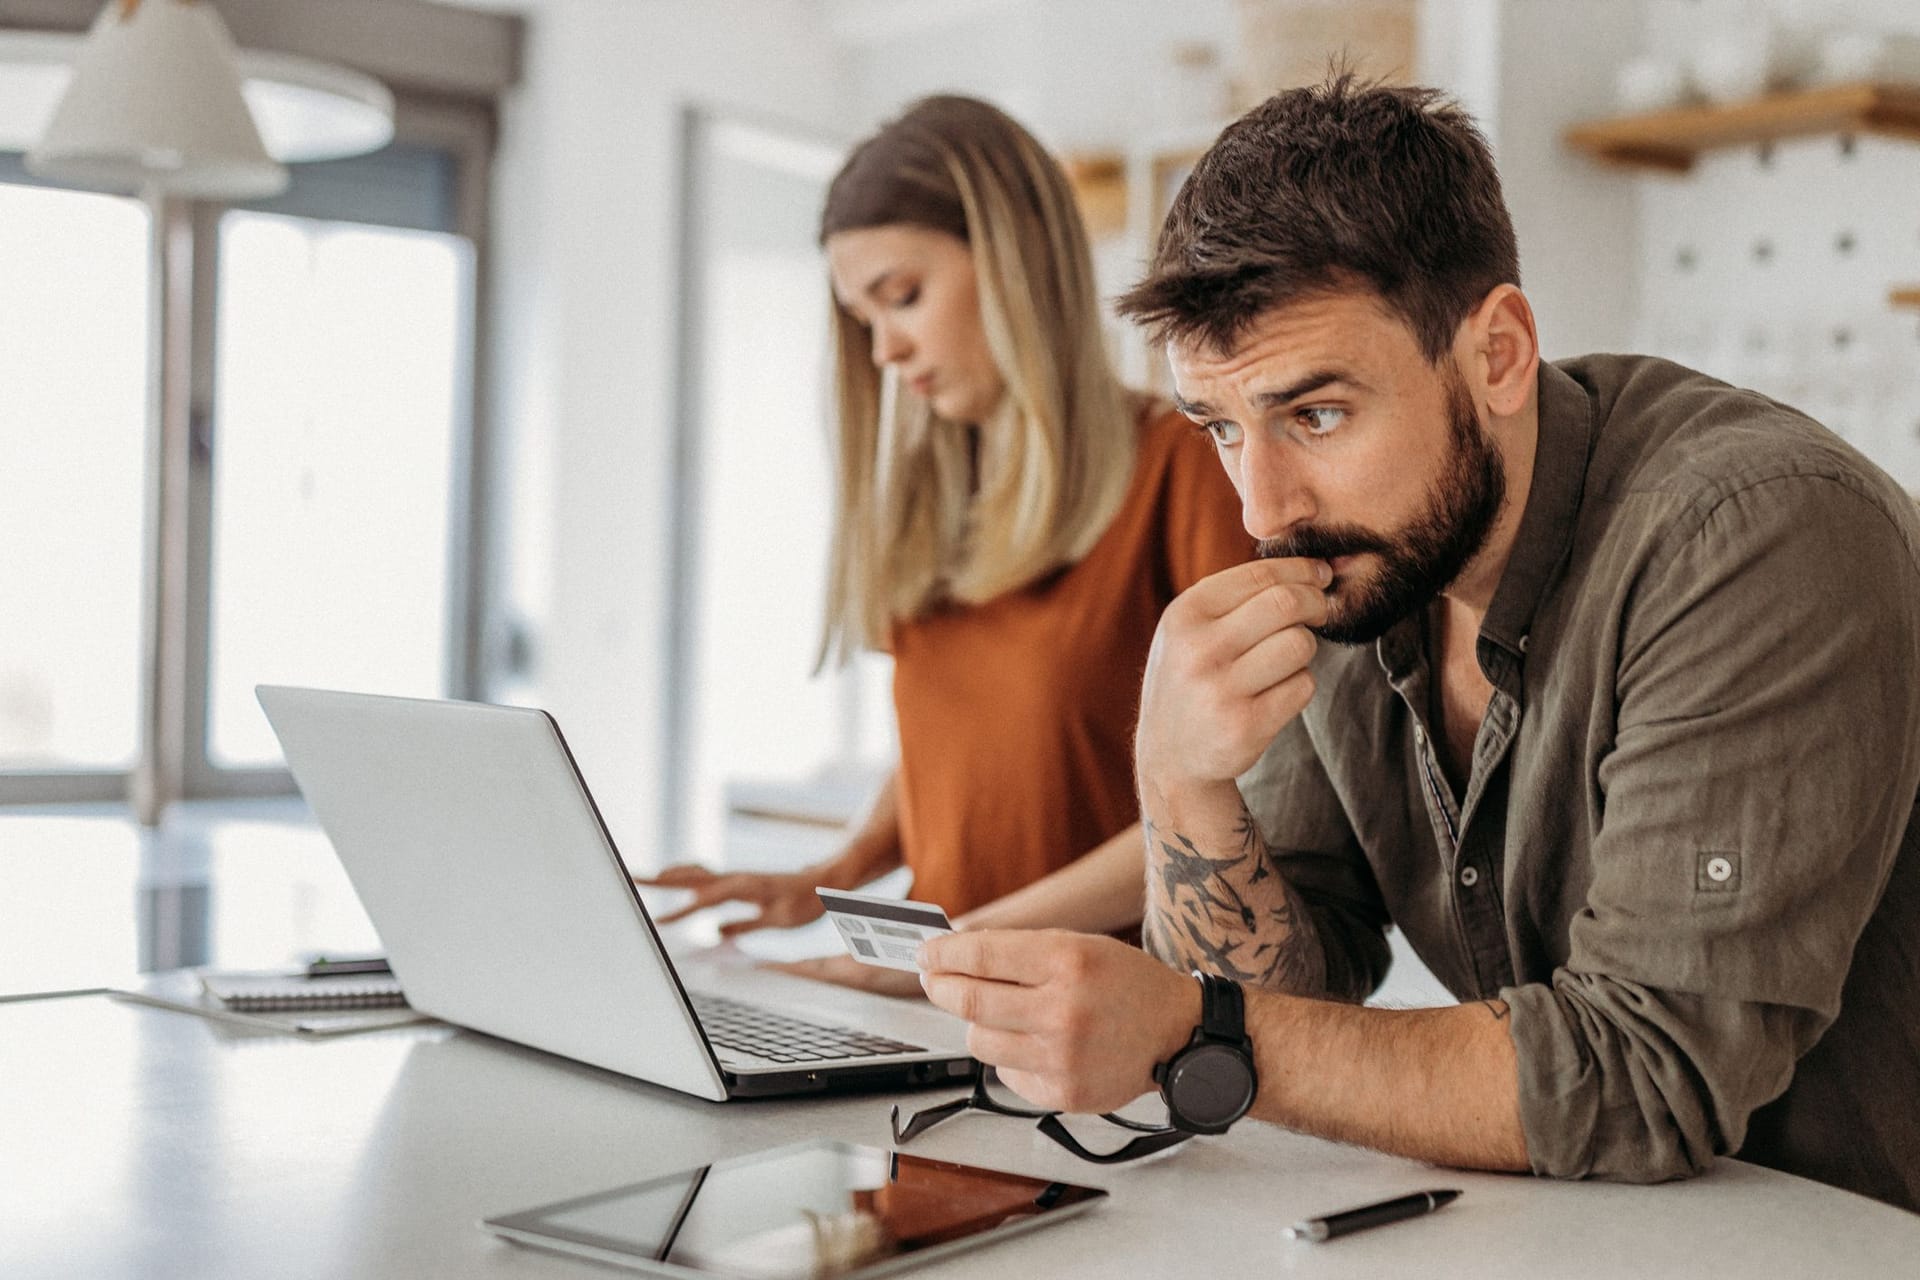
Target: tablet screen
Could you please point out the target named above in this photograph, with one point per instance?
(815, 1209)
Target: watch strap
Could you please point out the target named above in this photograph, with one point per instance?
(1223, 1012)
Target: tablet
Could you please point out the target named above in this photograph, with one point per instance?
(814, 1209)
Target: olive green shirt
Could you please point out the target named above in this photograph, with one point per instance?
(1685, 854)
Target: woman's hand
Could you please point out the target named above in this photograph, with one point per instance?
(786, 900)
(845, 971)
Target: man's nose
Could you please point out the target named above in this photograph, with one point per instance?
(1273, 498)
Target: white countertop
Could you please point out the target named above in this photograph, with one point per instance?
(139, 1142)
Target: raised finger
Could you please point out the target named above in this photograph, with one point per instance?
(1220, 594)
(1279, 705)
(734, 928)
(720, 889)
(1276, 658)
(684, 876)
(1268, 612)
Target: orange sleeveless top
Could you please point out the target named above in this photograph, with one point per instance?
(1016, 716)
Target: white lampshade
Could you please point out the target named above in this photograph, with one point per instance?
(307, 110)
(155, 103)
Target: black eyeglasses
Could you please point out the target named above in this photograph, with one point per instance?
(1153, 1137)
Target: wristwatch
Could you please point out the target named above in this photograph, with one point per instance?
(1211, 1083)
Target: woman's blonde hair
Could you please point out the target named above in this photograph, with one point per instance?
(922, 515)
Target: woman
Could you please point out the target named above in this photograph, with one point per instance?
(1010, 523)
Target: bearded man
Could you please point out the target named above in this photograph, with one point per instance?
(1619, 723)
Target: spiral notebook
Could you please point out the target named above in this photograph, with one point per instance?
(260, 991)
(192, 991)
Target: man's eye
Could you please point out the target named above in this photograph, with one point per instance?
(1225, 434)
(908, 298)
(1319, 422)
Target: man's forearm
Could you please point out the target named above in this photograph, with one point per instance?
(1439, 1085)
(1214, 900)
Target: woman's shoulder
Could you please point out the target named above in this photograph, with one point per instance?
(1159, 424)
(1171, 449)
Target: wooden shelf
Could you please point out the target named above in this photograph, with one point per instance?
(1908, 297)
(1671, 140)
(1099, 181)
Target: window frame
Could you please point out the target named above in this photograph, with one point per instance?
(469, 140)
(465, 131)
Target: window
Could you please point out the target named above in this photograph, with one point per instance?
(332, 492)
(73, 350)
(338, 402)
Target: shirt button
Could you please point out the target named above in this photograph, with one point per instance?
(1719, 870)
(1470, 876)
(1523, 644)
(1419, 735)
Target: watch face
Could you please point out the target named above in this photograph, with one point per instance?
(1211, 1084)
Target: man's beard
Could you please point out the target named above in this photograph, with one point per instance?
(1423, 559)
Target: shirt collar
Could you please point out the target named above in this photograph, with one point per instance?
(1553, 506)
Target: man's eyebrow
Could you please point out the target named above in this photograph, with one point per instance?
(1312, 382)
(1306, 386)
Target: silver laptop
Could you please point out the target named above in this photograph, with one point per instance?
(473, 844)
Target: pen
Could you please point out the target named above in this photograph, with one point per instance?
(1371, 1215)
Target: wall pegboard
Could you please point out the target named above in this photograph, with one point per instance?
(1770, 267)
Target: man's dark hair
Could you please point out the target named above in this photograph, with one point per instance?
(1336, 186)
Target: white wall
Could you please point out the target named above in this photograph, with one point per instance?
(1527, 69)
(584, 349)
(1082, 74)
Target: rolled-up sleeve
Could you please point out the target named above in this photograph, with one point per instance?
(1763, 768)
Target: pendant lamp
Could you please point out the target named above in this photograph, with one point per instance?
(155, 105)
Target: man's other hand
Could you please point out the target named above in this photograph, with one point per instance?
(1074, 1021)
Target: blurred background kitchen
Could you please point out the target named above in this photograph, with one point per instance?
(512, 385)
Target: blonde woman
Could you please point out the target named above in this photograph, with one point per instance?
(1010, 522)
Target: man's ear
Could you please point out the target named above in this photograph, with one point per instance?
(1505, 350)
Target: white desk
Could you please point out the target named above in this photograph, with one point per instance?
(138, 1142)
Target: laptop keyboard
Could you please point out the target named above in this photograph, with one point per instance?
(754, 1029)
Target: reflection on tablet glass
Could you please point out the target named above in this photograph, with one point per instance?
(818, 1209)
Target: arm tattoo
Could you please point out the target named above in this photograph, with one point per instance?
(1227, 911)
(1498, 1008)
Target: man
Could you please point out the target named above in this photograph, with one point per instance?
(1620, 725)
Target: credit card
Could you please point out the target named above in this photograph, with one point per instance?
(883, 931)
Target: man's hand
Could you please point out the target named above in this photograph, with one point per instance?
(1228, 670)
(1075, 1021)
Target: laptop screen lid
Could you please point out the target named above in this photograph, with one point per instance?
(479, 855)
